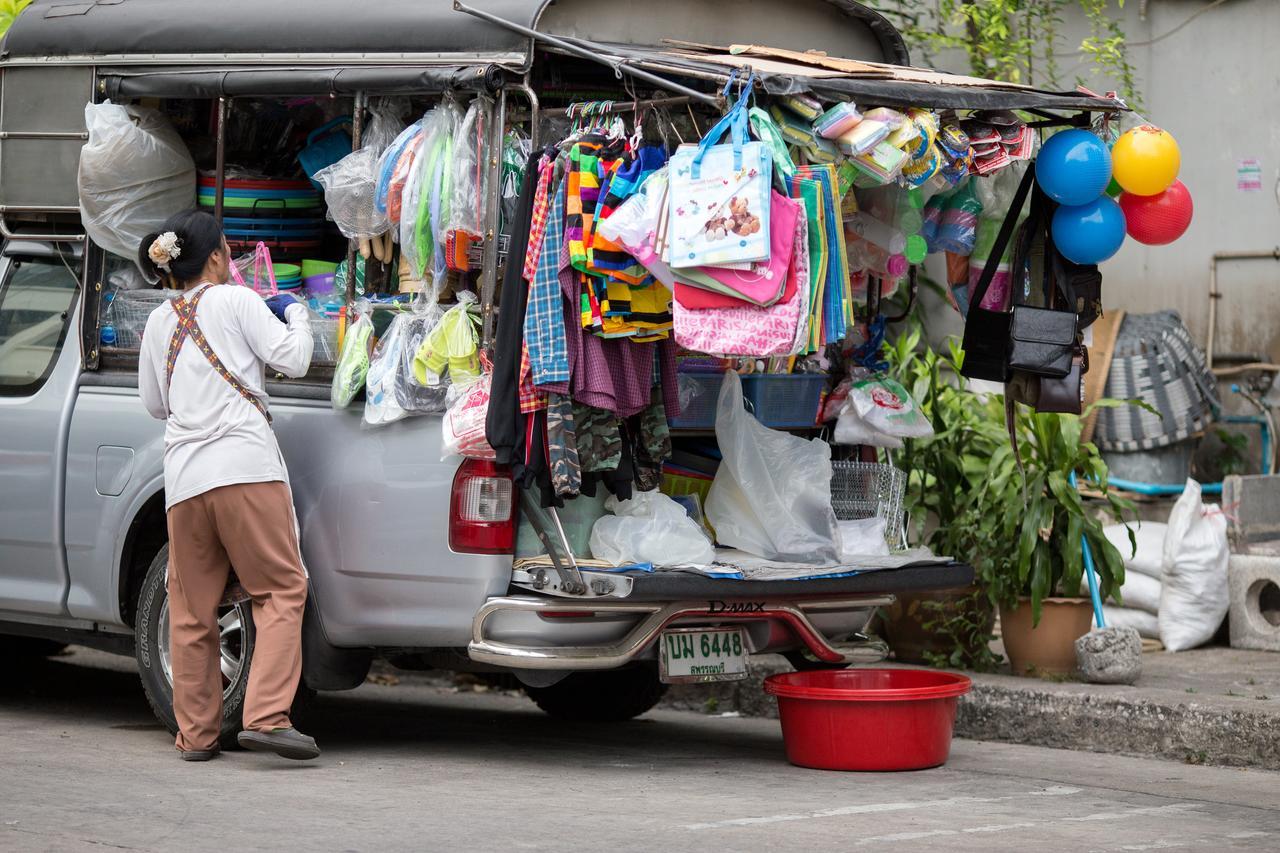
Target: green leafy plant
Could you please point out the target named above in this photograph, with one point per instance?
(1017, 519)
(9, 11)
(964, 626)
(1231, 458)
(1019, 41)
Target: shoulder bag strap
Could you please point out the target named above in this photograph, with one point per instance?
(188, 328)
(1002, 239)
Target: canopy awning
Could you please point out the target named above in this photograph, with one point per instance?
(180, 82)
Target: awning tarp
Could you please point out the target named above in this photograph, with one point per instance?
(179, 82)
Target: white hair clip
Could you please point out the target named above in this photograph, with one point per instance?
(164, 250)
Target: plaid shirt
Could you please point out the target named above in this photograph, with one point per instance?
(544, 333)
(531, 398)
(541, 209)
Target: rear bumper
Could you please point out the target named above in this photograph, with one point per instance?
(535, 632)
(652, 618)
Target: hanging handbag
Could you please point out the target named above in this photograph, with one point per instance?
(720, 194)
(986, 332)
(1042, 338)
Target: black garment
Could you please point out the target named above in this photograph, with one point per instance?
(504, 424)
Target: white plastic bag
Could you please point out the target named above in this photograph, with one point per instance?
(135, 172)
(649, 528)
(772, 494)
(463, 432)
(863, 537)
(385, 124)
(1146, 624)
(1194, 597)
(381, 405)
(1149, 559)
(350, 191)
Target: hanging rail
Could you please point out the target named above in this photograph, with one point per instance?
(588, 50)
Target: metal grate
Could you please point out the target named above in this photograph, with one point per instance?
(870, 490)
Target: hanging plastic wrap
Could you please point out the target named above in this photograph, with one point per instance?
(353, 363)
(462, 431)
(394, 167)
(410, 395)
(435, 198)
(415, 184)
(350, 192)
(135, 172)
(470, 177)
(385, 124)
(516, 148)
(451, 349)
(382, 401)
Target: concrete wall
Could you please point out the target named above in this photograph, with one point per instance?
(1215, 85)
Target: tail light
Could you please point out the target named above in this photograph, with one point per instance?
(482, 509)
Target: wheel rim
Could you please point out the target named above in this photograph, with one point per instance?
(231, 643)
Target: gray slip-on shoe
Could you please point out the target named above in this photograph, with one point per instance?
(286, 743)
(199, 754)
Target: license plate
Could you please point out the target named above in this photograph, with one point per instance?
(702, 655)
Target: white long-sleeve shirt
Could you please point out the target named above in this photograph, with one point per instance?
(213, 436)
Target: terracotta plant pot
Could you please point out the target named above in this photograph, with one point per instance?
(1048, 648)
(903, 626)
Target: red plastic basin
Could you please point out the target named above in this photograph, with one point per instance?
(867, 719)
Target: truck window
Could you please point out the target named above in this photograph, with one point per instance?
(35, 302)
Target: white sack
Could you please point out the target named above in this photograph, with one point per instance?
(771, 496)
(649, 528)
(135, 172)
(1149, 560)
(1194, 598)
(1146, 624)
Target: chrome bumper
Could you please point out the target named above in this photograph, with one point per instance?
(654, 617)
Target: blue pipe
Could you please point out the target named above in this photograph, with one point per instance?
(1091, 572)
(1160, 489)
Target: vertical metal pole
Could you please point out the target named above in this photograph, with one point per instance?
(535, 109)
(493, 207)
(357, 127)
(220, 180)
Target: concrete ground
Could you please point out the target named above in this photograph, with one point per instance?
(412, 765)
(1213, 705)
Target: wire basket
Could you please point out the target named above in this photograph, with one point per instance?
(127, 313)
(325, 332)
(870, 490)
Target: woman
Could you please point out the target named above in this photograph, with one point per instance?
(226, 488)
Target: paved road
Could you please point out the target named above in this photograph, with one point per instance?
(411, 766)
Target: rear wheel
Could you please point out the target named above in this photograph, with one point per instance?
(151, 648)
(606, 697)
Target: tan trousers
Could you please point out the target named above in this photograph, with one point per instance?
(249, 526)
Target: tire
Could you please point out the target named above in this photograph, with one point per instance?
(151, 644)
(610, 696)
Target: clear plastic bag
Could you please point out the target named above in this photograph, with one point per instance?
(772, 494)
(254, 269)
(135, 172)
(649, 528)
(470, 155)
(516, 148)
(435, 200)
(413, 397)
(353, 363)
(883, 406)
(385, 125)
(414, 186)
(463, 432)
(450, 347)
(381, 405)
(394, 167)
(350, 191)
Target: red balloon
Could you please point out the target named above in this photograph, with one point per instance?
(1158, 219)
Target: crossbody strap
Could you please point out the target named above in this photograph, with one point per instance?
(188, 328)
(1002, 239)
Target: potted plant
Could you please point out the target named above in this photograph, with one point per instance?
(1032, 506)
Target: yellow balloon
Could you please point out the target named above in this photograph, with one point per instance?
(1145, 160)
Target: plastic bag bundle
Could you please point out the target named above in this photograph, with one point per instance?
(411, 396)
(382, 400)
(450, 347)
(879, 412)
(135, 172)
(772, 493)
(649, 528)
(385, 125)
(353, 363)
(470, 154)
(1194, 597)
(462, 432)
(350, 191)
(394, 166)
(433, 124)
(516, 148)
(435, 198)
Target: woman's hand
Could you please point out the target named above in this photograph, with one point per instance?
(280, 302)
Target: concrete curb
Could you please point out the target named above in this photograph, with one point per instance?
(1130, 721)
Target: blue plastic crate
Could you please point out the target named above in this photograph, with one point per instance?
(784, 400)
(699, 393)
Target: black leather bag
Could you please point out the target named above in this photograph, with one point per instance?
(1042, 338)
(986, 332)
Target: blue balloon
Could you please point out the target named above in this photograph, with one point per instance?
(1074, 167)
(1089, 233)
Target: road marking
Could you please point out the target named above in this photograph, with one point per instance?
(876, 808)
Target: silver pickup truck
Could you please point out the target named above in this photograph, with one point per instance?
(411, 558)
